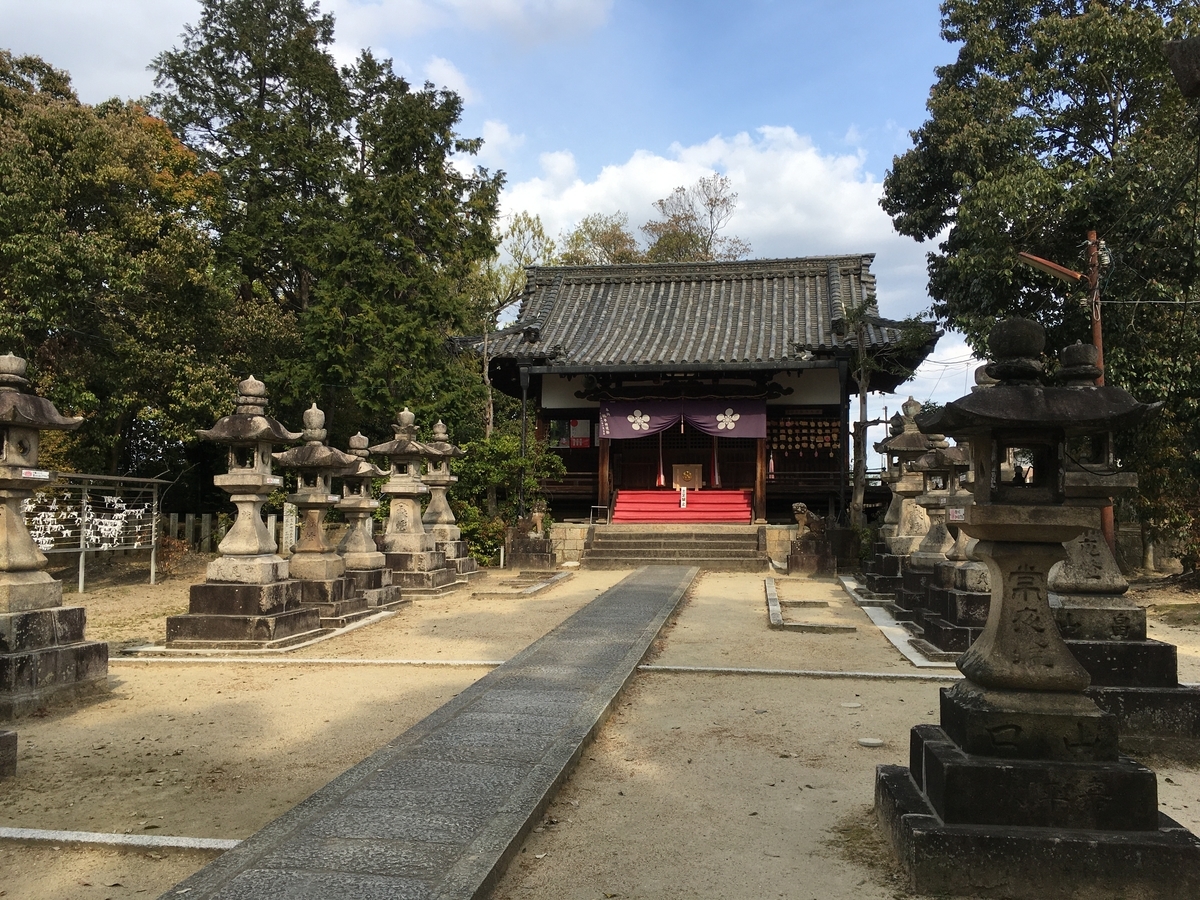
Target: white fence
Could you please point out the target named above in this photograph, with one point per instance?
(85, 513)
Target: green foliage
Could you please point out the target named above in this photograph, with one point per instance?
(107, 276)
(344, 209)
(495, 462)
(600, 240)
(1059, 116)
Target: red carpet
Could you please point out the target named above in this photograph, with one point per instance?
(711, 507)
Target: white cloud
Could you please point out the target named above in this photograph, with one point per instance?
(525, 21)
(444, 73)
(793, 200)
(498, 144)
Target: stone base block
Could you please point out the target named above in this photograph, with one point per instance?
(965, 789)
(8, 753)
(968, 608)
(1098, 618)
(384, 598)
(1036, 725)
(446, 534)
(948, 637)
(248, 569)
(316, 566)
(368, 579)
(365, 562)
(407, 543)
(242, 632)
(883, 584)
(243, 599)
(425, 561)
(455, 549)
(972, 577)
(809, 556)
(465, 566)
(435, 581)
(36, 678)
(1128, 663)
(887, 564)
(1159, 720)
(1032, 863)
(23, 591)
(325, 592)
(41, 628)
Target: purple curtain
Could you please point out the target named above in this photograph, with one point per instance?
(624, 419)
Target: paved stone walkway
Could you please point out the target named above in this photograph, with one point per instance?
(438, 812)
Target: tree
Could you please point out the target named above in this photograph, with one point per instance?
(1058, 116)
(600, 240)
(345, 208)
(692, 219)
(108, 282)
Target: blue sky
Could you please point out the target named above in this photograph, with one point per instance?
(606, 105)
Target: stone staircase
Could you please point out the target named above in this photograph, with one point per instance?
(716, 548)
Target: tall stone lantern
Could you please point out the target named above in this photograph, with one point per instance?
(247, 601)
(43, 654)
(439, 517)
(314, 561)
(1020, 792)
(366, 567)
(411, 553)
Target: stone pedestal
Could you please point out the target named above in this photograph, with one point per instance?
(529, 552)
(883, 572)
(957, 607)
(811, 555)
(1133, 677)
(8, 753)
(44, 657)
(243, 617)
(376, 588)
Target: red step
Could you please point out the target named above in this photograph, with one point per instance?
(708, 507)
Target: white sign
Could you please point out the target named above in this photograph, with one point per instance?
(956, 514)
(683, 498)
(287, 538)
(35, 473)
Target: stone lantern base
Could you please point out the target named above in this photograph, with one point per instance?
(376, 588)
(1059, 814)
(882, 575)
(44, 657)
(422, 573)
(231, 616)
(957, 606)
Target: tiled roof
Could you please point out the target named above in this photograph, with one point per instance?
(749, 312)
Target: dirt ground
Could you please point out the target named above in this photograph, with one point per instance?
(704, 786)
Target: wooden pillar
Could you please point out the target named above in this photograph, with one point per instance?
(760, 480)
(605, 475)
(844, 434)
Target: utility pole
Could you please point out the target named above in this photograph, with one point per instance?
(1092, 279)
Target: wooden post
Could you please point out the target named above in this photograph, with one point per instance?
(1107, 526)
(605, 475)
(206, 533)
(760, 481)
(189, 530)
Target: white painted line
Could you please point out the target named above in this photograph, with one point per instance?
(315, 661)
(116, 840)
(799, 673)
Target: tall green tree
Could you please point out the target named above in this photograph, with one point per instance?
(108, 282)
(347, 209)
(1056, 117)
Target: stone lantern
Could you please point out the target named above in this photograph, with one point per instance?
(410, 551)
(43, 654)
(247, 601)
(366, 567)
(933, 475)
(439, 517)
(1021, 792)
(314, 561)
(905, 523)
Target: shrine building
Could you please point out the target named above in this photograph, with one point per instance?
(729, 379)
